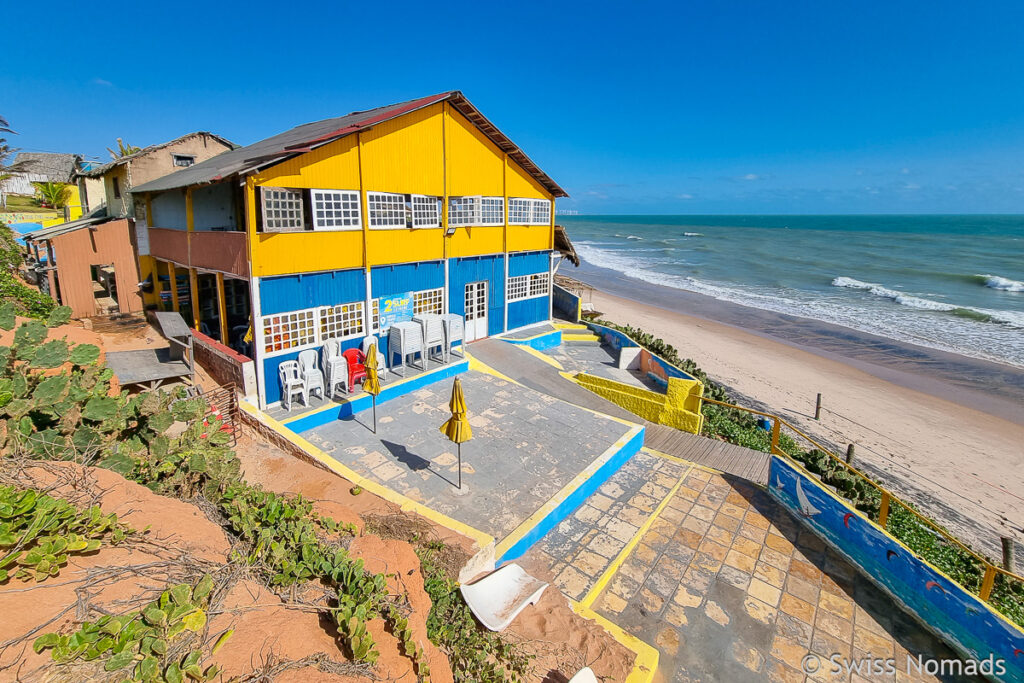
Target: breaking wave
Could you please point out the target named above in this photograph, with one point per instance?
(1001, 283)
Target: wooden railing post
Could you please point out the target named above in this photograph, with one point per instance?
(776, 427)
(987, 582)
(817, 408)
(883, 510)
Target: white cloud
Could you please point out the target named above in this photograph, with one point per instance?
(905, 171)
(685, 195)
(102, 81)
(751, 176)
(911, 186)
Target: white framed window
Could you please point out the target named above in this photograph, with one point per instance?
(492, 211)
(426, 211)
(519, 210)
(282, 210)
(386, 210)
(528, 286)
(518, 287)
(541, 214)
(285, 331)
(336, 210)
(428, 301)
(341, 321)
(539, 284)
(463, 210)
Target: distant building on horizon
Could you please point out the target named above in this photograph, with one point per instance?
(312, 233)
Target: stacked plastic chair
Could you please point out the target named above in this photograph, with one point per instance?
(405, 339)
(433, 335)
(454, 330)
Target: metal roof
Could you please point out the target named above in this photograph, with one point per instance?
(98, 216)
(97, 171)
(309, 136)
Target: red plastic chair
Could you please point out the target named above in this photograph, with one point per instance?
(356, 369)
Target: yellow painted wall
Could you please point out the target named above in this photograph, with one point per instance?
(432, 151)
(679, 407)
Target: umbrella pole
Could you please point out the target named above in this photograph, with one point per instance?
(374, 414)
(460, 466)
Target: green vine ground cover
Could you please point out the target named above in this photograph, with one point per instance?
(55, 404)
(741, 428)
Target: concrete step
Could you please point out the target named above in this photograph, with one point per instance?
(581, 337)
(570, 326)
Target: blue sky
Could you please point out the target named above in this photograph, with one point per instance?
(693, 107)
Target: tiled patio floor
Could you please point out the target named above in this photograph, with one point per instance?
(526, 447)
(724, 582)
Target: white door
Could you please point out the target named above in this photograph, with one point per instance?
(476, 310)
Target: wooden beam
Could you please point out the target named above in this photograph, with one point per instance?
(223, 309)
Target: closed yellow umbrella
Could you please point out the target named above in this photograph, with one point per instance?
(457, 427)
(371, 384)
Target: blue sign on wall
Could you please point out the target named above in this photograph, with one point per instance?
(395, 309)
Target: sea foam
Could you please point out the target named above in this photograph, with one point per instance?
(980, 314)
(1002, 283)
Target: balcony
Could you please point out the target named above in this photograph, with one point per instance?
(212, 250)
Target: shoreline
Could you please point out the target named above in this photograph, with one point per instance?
(996, 389)
(935, 439)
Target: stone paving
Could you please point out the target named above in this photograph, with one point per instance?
(600, 360)
(580, 549)
(729, 587)
(526, 446)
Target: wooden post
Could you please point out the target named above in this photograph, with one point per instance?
(817, 408)
(222, 309)
(849, 454)
(987, 582)
(1009, 553)
(775, 436)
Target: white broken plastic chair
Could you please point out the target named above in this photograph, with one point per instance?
(500, 596)
(585, 675)
(291, 384)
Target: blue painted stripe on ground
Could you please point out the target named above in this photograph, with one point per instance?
(575, 499)
(540, 342)
(388, 393)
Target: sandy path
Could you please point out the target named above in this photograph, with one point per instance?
(967, 465)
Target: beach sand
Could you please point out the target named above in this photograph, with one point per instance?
(959, 464)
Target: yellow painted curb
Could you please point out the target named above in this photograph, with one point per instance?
(613, 568)
(520, 531)
(570, 326)
(646, 663)
(542, 356)
(481, 538)
(580, 337)
(480, 366)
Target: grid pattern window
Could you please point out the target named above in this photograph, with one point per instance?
(386, 210)
(519, 211)
(336, 210)
(463, 210)
(541, 214)
(426, 211)
(282, 209)
(519, 287)
(492, 211)
(288, 330)
(539, 285)
(428, 301)
(375, 315)
(341, 321)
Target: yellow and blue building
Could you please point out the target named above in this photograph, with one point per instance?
(328, 228)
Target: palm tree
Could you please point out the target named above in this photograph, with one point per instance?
(54, 194)
(123, 149)
(5, 152)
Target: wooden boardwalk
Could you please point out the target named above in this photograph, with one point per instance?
(725, 457)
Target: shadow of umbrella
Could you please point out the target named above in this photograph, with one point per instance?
(413, 462)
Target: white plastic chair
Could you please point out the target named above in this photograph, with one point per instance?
(405, 339)
(334, 365)
(454, 331)
(291, 384)
(498, 598)
(311, 374)
(382, 368)
(433, 334)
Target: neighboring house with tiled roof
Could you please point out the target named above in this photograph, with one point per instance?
(40, 167)
(122, 174)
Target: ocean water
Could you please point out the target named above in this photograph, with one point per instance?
(954, 283)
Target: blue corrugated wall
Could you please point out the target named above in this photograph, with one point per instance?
(386, 281)
(528, 312)
(528, 263)
(462, 271)
(295, 292)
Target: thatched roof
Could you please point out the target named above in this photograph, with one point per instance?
(564, 245)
